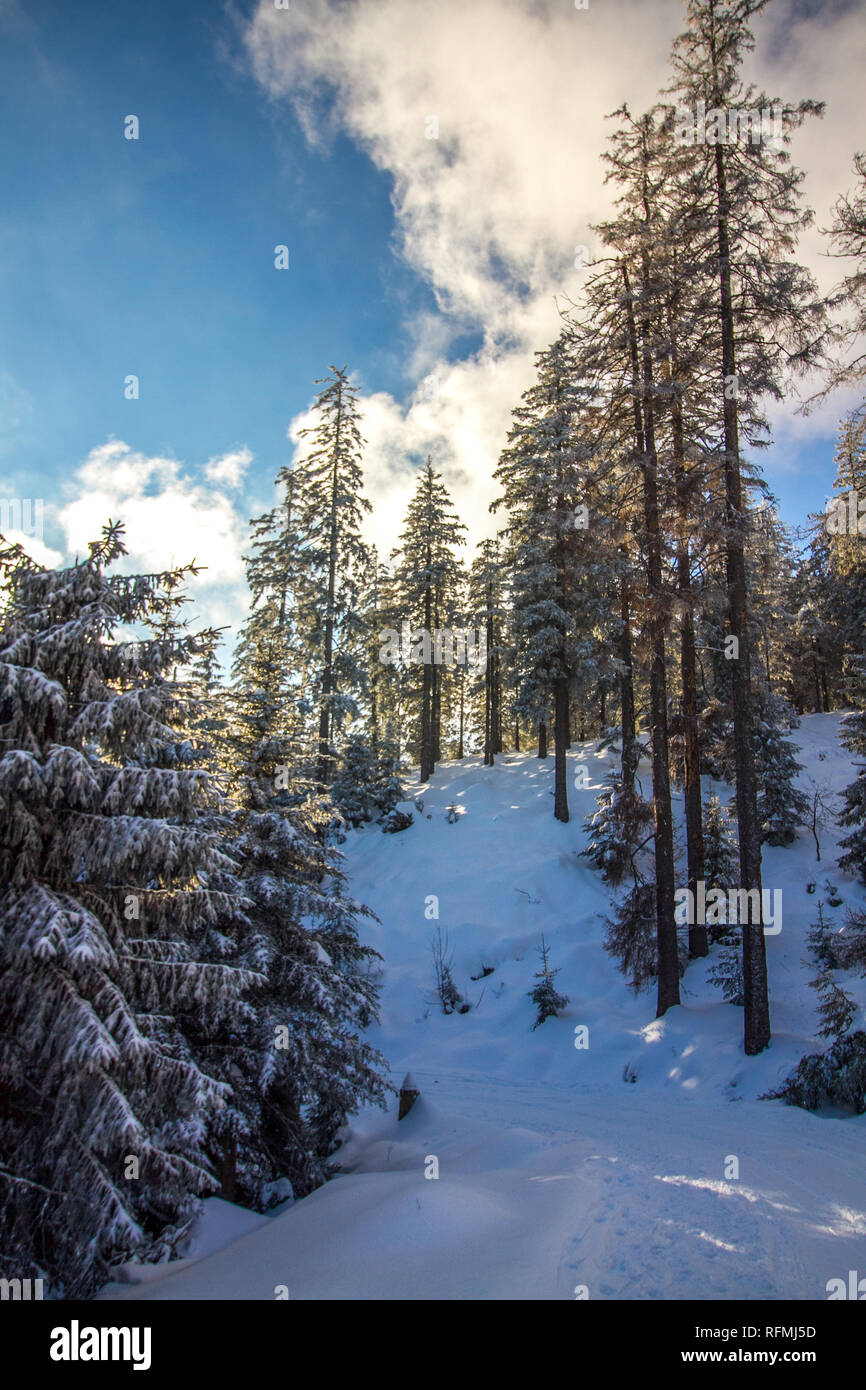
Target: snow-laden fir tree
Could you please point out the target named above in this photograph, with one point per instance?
(331, 508)
(848, 239)
(366, 785)
(726, 969)
(720, 850)
(115, 903)
(427, 587)
(274, 567)
(618, 829)
(834, 1078)
(298, 1064)
(852, 816)
(836, 1008)
(822, 943)
(631, 933)
(552, 554)
(721, 870)
(488, 607)
(782, 807)
(544, 995)
(767, 318)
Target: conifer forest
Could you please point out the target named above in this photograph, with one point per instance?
(433, 674)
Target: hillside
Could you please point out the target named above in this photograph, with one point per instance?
(559, 1166)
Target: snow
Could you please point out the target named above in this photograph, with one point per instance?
(561, 1168)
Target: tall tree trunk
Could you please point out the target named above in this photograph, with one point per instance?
(698, 940)
(228, 1168)
(666, 931)
(427, 760)
(560, 770)
(325, 769)
(626, 693)
(756, 1010)
(437, 713)
(542, 739)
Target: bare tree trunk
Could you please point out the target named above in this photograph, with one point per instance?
(560, 778)
(427, 760)
(626, 694)
(666, 931)
(325, 768)
(698, 939)
(756, 1011)
(228, 1168)
(542, 739)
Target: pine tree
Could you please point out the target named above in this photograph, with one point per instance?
(821, 943)
(112, 961)
(366, 786)
(547, 1000)
(274, 568)
(720, 851)
(331, 509)
(553, 612)
(299, 1063)
(836, 1008)
(853, 814)
(628, 296)
(848, 240)
(427, 588)
(782, 807)
(726, 971)
(618, 829)
(631, 933)
(769, 318)
(487, 602)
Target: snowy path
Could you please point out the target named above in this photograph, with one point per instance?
(554, 1171)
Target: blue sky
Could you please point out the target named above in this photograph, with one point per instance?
(156, 256)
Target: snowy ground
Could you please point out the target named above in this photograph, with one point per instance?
(604, 1170)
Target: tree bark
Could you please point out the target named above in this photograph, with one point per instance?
(542, 740)
(666, 931)
(560, 772)
(756, 1011)
(626, 694)
(698, 939)
(325, 768)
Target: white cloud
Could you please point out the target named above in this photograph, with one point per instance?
(490, 213)
(229, 469)
(35, 547)
(170, 519)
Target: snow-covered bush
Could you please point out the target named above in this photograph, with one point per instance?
(834, 1078)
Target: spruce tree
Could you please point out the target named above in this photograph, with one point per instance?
(544, 995)
(331, 508)
(853, 814)
(769, 319)
(426, 592)
(115, 900)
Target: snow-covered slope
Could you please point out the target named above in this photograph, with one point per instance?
(606, 1170)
